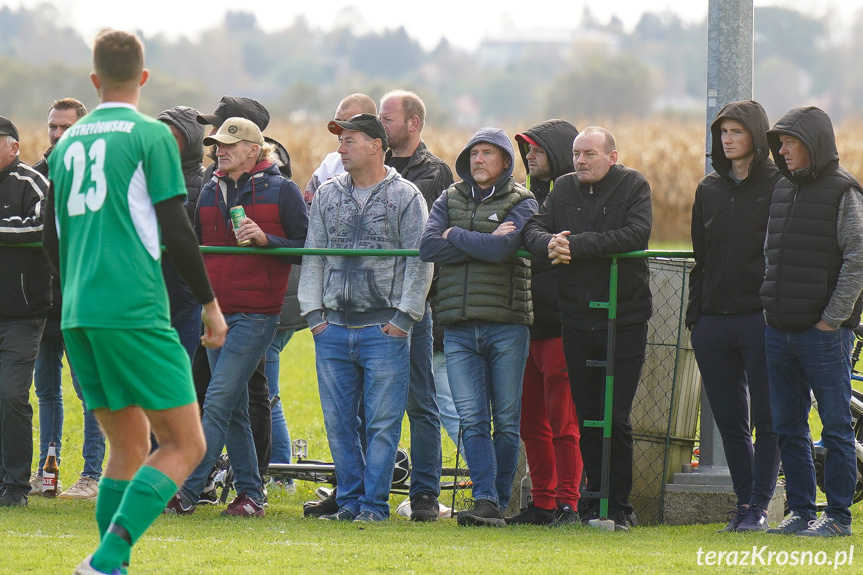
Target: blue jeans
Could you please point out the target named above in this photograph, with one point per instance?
(281, 452)
(363, 364)
(188, 326)
(485, 364)
(93, 449)
(47, 379)
(820, 361)
(446, 407)
(226, 405)
(422, 411)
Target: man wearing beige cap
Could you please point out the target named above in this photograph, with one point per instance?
(252, 288)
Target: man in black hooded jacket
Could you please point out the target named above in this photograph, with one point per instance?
(811, 299)
(729, 220)
(549, 424)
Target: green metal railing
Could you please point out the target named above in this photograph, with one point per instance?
(610, 305)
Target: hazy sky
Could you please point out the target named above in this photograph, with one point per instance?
(463, 23)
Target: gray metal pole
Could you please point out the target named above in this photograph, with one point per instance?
(730, 50)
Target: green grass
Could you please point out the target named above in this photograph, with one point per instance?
(51, 536)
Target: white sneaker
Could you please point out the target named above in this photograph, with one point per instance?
(35, 484)
(84, 568)
(86, 488)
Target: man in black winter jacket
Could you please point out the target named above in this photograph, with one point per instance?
(25, 297)
(811, 299)
(729, 220)
(549, 424)
(603, 208)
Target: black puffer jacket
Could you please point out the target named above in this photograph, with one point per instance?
(807, 271)
(555, 137)
(729, 221)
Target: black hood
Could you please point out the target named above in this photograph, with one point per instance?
(283, 159)
(556, 138)
(813, 127)
(183, 118)
(753, 117)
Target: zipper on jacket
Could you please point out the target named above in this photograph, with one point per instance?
(24, 291)
(467, 267)
(782, 245)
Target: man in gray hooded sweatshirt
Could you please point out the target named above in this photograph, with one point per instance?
(361, 310)
(485, 306)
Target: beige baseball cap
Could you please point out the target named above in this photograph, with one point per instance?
(234, 130)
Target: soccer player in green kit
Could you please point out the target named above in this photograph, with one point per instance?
(117, 187)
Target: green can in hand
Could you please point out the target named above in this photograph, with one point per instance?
(238, 214)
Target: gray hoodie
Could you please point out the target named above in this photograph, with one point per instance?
(358, 291)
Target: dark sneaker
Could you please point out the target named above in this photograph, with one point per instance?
(209, 497)
(326, 506)
(623, 521)
(12, 498)
(826, 526)
(754, 520)
(244, 506)
(791, 524)
(564, 515)
(739, 516)
(485, 513)
(532, 515)
(424, 507)
(175, 507)
(343, 514)
(368, 517)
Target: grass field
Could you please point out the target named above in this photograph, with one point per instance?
(51, 536)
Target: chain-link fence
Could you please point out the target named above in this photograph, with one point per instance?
(665, 410)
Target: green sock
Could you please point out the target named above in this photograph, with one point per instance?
(108, 501)
(144, 500)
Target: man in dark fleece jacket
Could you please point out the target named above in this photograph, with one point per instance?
(403, 116)
(549, 424)
(603, 208)
(811, 299)
(729, 220)
(484, 304)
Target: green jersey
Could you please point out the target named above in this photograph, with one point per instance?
(109, 169)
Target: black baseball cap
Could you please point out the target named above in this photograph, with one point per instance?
(7, 128)
(233, 107)
(366, 123)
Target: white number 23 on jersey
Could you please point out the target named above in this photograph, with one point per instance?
(75, 159)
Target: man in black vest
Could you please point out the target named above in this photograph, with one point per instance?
(603, 208)
(811, 298)
(484, 304)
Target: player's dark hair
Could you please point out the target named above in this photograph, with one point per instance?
(118, 57)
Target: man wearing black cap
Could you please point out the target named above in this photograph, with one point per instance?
(25, 297)
(361, 311)
(234, 107)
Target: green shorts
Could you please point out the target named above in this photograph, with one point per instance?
(117, 368)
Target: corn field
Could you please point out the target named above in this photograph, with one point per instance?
(670, 154)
